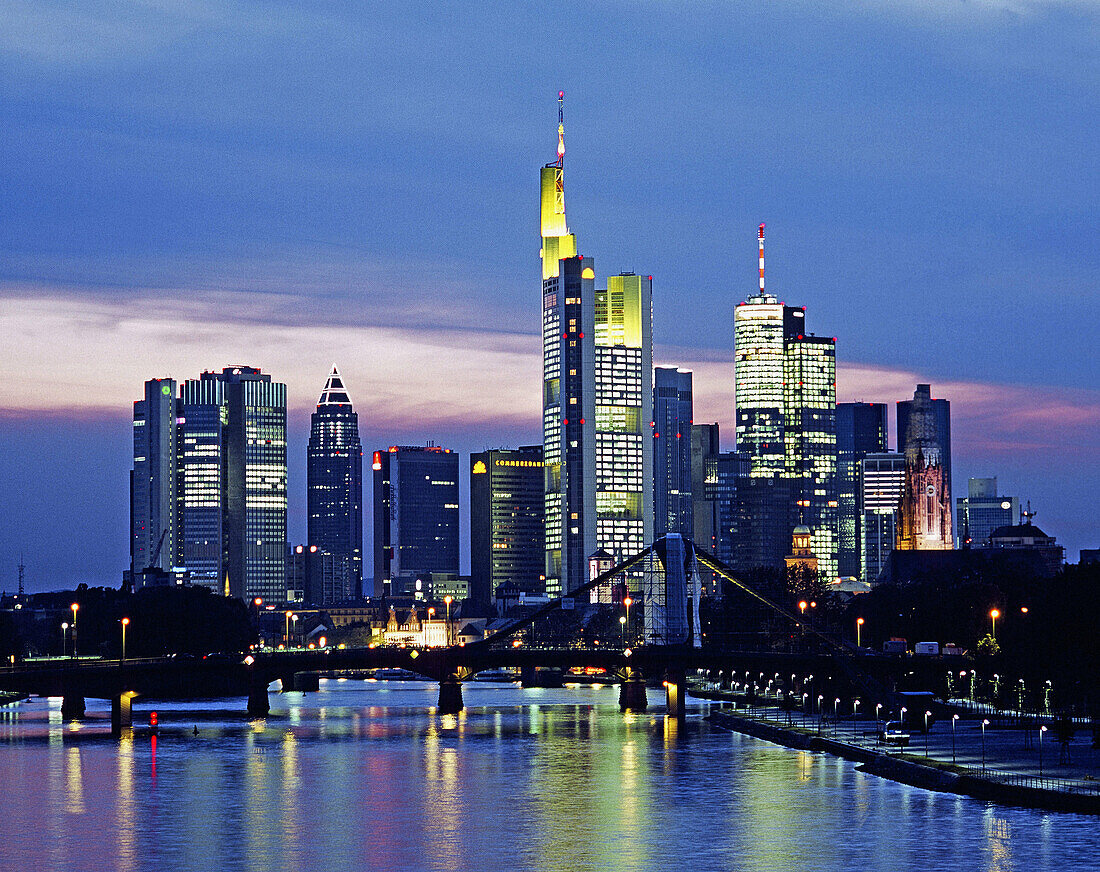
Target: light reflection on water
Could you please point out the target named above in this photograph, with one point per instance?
(371, 776)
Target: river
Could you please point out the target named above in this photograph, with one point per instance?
(365, 775)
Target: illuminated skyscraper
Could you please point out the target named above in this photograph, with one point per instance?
(334, 482)
(882, 480)
(672, 478)
(597, 399)
(154, 522)
(924, 522)
(785, 386)
(232, 482)
(860, 430)
(415, 518)
(982, 511)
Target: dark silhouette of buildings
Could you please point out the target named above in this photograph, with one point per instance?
(672, 463)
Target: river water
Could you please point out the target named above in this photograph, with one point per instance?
(365, 775)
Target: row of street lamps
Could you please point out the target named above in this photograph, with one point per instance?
(66, 626)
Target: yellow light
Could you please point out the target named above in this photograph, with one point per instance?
(995, 613)
(125, 622)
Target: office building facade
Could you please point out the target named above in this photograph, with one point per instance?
(881, 482)
(154, 510)
(860, 430)
(334, 481)
(507, 528)
(415, 517)
(673, 510)
(982, 511)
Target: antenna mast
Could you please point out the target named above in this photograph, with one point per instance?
(561, 127)
(22, 569)
(761, 259)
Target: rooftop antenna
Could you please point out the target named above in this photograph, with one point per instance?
(561, 127)
(22, 570)
(1025, 518)
(761, 258)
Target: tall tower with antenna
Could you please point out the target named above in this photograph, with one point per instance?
(23, 569)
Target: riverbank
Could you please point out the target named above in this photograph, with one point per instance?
(925, 773)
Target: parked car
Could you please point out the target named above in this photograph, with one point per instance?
(894, 733)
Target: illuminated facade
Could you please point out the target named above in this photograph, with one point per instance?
(415, 518)
(673, 511)
(232, 482)
(597, 400)
(507, 530)
(860, 430)
(785, 386)
(334, 481)
(982, 511)
(881, 481)
(924, 522)
(154, 522)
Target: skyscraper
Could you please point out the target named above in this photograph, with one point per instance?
(925, 512)
(154, 521)
(672, 478)
(597, 399)
(232, 482)
(785, 386)
(624, 410)
(860, 430)
(704, 469)
(941, 427)
(415, 517)
(881, 481)
(507, 532)
(982, 511)
(334, 481)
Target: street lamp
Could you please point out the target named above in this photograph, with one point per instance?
(953, 719)
(125, 623)
(294, 627)
(64, 638)
(985, 723)
(287, 636)
(622, 627)
(855, 711)
(1042, 730)
(927, 715)
(836, 714)
(74, 607)
(994, 614)
(447, 600)
(628, 602)
(859, 626)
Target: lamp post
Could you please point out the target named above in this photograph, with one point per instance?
(836, 714)
(447, 600)
(627, 603)
(902, 716)
(855, 711)
(622, 628)
(994, 614)
(294, 626)
(1042, 730)
(985, 723)
(802, 624)
(74, 607)
(125, 623)
(927, 714)
(820, 710)
(64, 638)
(859, 627)
(953, 719)
(287, 634)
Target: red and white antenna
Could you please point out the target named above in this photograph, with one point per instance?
(761, 259)
(561, 126)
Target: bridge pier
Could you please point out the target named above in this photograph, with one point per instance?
(72, 707)
(307, 681)
(450, 696)
(258, 704)
(632, 697)
(675, 694)
(122, 716)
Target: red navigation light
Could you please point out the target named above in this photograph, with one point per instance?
(561, 95)
(582, 420)
(377, 464)
(581, 335)
(565, 421)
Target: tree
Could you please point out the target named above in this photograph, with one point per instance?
(988, 647)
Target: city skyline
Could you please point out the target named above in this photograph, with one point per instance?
(956, 264)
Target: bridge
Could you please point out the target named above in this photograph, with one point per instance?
(670, 649)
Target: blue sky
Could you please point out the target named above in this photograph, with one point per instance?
(187, 185)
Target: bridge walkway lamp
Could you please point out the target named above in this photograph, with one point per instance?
(859, 627)
(125, 623)
(954, 718)
(447, 600)
(64, 638)
(75, 607)
(994, 614)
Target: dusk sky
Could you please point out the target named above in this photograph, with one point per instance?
(188, 185)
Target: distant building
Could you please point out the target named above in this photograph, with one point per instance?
(924, 521)
(982, 511)
(764, 512)
(785, 389)
(860, 430)
(801, 556)
(334, 481)
(507, 541)
(316, 577)
(155, 535)
(672, 461)
(1029, 538)
(704, 471)
(882, 480)
(415, 517)
(727, 479)
(1090, 556)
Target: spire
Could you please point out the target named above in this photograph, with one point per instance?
(561, 127)
(761, 258)
(334, 393)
